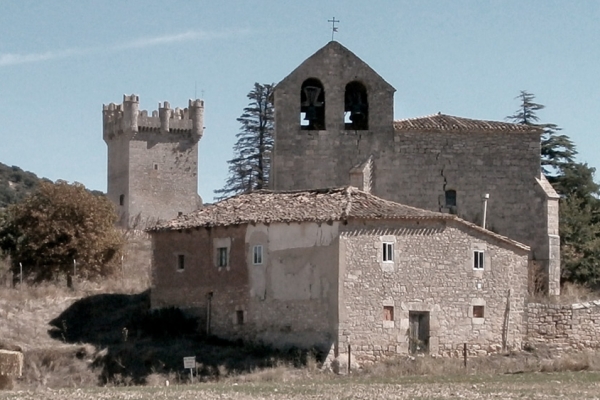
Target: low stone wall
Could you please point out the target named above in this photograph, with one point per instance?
(564, 327)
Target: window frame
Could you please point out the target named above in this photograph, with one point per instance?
(478, 260)
(387, 255)
(257, 254)
(222, 256)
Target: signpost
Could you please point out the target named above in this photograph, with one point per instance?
(190, 362)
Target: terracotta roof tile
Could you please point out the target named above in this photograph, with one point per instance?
(448, 123)
(319, 205)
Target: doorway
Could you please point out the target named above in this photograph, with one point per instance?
(418, 332)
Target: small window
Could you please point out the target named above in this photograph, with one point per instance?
(450, 198)
(222, 260)
(155, 167)
(180, 262)
(239, 317)
(388, 252)
(388, 313)
(478, 311)
(121, 199)
(478, 259)
(257, 257)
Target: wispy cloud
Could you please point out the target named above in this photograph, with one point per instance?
(7, 59)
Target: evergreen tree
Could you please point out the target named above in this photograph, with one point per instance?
(250, 168)
(557, 150)
(579, 211)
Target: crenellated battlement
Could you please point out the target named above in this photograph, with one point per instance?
(126, 118)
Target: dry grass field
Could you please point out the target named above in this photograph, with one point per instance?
(563, 385)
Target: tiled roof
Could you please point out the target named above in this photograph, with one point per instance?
(316, 205)
(448, 123)
(319, 205)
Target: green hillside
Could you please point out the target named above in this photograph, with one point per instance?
(15, 184)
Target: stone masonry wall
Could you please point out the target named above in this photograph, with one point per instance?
(413, 168)
(432, 272)
(163, 175)
(564, 327)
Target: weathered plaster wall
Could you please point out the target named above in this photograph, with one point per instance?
(288, 300)
(564, 327)
(432, 271)
(294, 292)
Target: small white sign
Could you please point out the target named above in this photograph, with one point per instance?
(189, 362)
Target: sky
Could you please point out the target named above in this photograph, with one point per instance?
(60, 61)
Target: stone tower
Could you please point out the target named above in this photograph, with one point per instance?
(334, 126)
(152, 160)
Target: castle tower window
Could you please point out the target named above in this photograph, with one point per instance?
(122, 200)
(356, 107)
(312, 105)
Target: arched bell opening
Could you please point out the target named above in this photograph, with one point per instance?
(312, 105)
(356, 107)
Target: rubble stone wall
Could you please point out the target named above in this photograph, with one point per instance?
(564, 327)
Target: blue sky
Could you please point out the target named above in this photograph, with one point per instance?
(61, 60)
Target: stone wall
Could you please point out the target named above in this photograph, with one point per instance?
(432, 272)
(564, 327)
(152, 160)
(414, 168)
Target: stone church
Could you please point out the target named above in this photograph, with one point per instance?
(334, 126)
(438, 223)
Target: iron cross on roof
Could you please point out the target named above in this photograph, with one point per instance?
(334, 28)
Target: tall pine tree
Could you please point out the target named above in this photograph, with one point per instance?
(250, 168)
(557, 149)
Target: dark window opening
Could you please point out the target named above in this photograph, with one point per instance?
(478, 311)
(478, 259)
(450, 198)
(388, 252)
(155, 166)
(121, 199)
(180, 262)
(239, 317)
(388, 313)
(312, 105)
(356, 107)
(222, 257)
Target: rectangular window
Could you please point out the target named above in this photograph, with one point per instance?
(257, 256)
(388, 252)
(478, 311)
(239, 317)
(222, 260)
(478, 259)
(121, 199)
(388, 313)
(180, 262)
